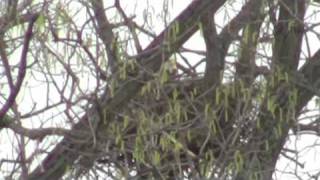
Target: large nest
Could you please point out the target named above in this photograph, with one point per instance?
(180, 122)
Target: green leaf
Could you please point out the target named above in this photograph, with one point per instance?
(164, 76)
(175, 94)
(217, 96)
(281, 114)
(200, 28)
(267, 145)
(206, 111)
(177, 110)
(238, 160)
(176, 27)
(125, 122)
(259, 124)
(41, 21)
(213, 126)
(189, 137)
(156, 158)
(286, 77)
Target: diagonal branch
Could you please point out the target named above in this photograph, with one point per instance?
(130, 25)
(22, 69)
(38, 133)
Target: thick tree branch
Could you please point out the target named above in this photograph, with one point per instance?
(64, 154)
(217, 46)
(246, 66)
(302, 128)
(273, 131)
(39, 133)
(288, 34)
(246, 15)
(214, 52)
(309, 79)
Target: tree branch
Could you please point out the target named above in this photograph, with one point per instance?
(214, 52)
(22, 69)
(39, 133)
(105, 33)
(217, 46)
(273, 131)
(246, 65)
(65, 153)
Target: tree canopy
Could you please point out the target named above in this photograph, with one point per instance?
(94, 90)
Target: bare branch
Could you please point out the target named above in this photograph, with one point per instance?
(104, 30)
(22, 69)
(39, 133)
